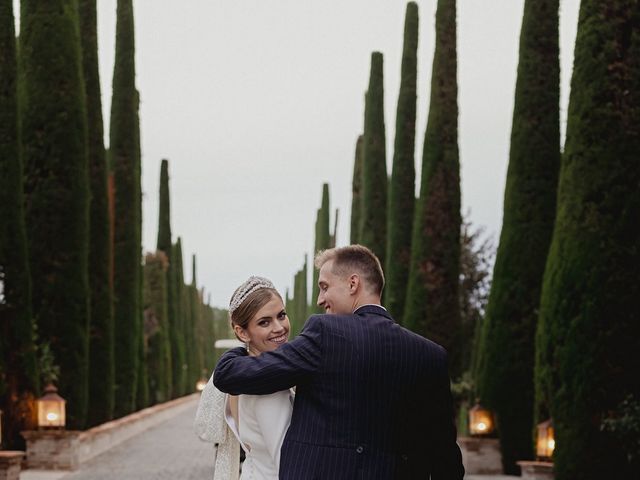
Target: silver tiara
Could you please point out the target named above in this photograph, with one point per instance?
(247, 288)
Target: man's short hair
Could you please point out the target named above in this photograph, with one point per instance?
(354, 259)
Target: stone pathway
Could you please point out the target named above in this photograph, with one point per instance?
(170, 451)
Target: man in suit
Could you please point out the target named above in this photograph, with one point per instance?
(373, 399)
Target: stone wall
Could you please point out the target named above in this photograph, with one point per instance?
(481, 456)
(65, 449)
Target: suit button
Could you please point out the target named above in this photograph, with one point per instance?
(360, 449)
(405, 457)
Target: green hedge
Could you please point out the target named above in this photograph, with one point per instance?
(101, 361)
(373, 227)
(588, 334)
(403, 174)
(18, 370)
(433, 306)
(54, 134)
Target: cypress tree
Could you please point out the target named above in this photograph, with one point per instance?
(182, 312)
(165, 245)
(588, 334)
(18, 369)
(402, 185)
(101, 366)
(508, 334)
(302, 309)
(156, 322)
(433, 306)
(54, 127)
(373, 228)
(195, 338)
(124, 151)
(164, 220)
(298, 308)
(288, 304)
(322, 242)
(356, 193)
(507, 353)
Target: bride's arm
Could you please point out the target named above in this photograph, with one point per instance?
(270, 372)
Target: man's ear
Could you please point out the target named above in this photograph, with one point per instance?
(354, 283)
(241, 333)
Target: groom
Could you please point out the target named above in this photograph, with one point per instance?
(372, 398)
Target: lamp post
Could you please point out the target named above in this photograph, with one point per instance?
(200, 384)
(480, 421)
(546, 443)
(51, 409)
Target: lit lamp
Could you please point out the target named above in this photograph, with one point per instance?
(51, 409)
(546, 442)
(200, 384)
(480, 420)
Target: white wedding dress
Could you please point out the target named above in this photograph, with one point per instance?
(264, 420)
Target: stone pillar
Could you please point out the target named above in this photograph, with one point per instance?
(52, 449)
(536, 470)
(10, 464)
(481, 456)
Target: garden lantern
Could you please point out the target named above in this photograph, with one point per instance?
(51, 409)
(480, 420)
(546, 442)
(201, 384)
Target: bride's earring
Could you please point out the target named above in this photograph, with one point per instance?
(247, 345)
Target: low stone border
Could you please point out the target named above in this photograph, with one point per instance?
(536, 470)
(66, 449)
(481, 455)
(10, 464)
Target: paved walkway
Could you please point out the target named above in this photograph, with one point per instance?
(170, 451)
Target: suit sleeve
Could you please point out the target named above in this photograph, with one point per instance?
(447, 458)
(269, 372)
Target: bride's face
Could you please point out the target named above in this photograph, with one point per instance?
(268, 329)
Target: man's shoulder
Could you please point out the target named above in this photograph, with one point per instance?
(425, 344)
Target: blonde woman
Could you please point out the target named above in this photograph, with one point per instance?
(260, 422)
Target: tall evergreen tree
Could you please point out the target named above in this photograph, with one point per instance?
(507, 354)
(322, 242)
(403, 175)
(124, 151)
(433, 306)
(156, 323)
(54, 127)
(165, 245)
(356, 193)
(182, 312)
(298, 307)
(195, 339)
(373, 228)
(101, 362)
(588, 334)
(18, 370)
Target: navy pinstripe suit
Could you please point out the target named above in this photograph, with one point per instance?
(372, 399)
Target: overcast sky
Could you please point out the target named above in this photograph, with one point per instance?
(256, 103)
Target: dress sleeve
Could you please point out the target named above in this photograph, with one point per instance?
(273, 414)
(237, 373)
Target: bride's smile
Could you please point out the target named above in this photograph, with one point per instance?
(268, 328)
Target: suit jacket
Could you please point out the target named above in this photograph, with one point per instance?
(373, 399)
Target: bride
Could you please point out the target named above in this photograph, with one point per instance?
(258, 422)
